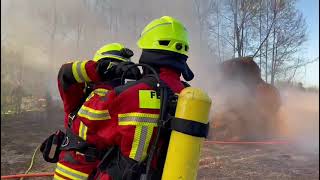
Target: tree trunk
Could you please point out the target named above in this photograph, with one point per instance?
(267, 42)
(218, 21)
(235, 29)
(242, 40)
(260, 62)
(273, 57)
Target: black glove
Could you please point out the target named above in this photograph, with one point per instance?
(103, 68)
(131, 72)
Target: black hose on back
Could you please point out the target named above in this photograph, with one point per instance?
(156, 76)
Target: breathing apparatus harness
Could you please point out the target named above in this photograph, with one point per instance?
(166, 122)
(60, 140)
(163, 90)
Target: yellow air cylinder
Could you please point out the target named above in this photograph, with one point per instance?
(183, 154)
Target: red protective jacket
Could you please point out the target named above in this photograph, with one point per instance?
(71, 81)
(134, 113)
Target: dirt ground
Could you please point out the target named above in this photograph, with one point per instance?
(257, 162)
(21, 135)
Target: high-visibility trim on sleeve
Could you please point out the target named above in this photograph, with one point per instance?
(79, 71)
(70, 173)
(75, 72)
(101, 92)
(142, 119)
(84, 72)
(57, 177)
(90, 96)
(93, 114)
(83, 131)
(142, 137)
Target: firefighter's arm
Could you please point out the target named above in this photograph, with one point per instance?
(78, 72)
(71, 82)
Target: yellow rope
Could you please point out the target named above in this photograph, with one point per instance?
(32, 161)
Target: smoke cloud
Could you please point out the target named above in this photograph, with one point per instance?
(300, 111)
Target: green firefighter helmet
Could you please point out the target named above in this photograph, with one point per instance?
(165, 33)
(114, 51)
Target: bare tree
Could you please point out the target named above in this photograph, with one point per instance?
(274, 30)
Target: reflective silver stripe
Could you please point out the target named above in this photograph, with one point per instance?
(75, 176)
(116, 56)
(142, 140)
(138, 119)
(79, 71)
(93, 116)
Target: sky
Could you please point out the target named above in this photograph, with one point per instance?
(310, 10)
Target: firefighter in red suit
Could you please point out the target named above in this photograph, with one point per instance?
(83, 86)
(134, 107)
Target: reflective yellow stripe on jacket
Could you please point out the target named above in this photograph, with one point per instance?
(143, 119)
(70, 173)
(79, 71)
(99, 91)
(93, 114)
(56, 177)
(83, 131)
(144, 123)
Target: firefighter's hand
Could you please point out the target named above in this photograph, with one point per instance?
(131, 72)
(102, 68)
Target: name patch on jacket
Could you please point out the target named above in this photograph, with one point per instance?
(148, 99)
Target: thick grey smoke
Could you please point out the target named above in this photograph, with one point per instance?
(300, 111)
(49, 33)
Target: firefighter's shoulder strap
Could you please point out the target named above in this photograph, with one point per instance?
(149, 80)
(88, 89)
(68, 141)
(185, 84)
(73, 142)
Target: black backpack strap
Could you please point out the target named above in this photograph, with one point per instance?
(73, 142)
(185, 84)
(87, 91)
(151, 81)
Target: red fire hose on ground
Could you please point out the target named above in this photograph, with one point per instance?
(246, 142)
(17, 176)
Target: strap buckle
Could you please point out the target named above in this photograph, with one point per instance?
(71, 117)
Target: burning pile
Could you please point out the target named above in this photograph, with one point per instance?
(250, 105)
